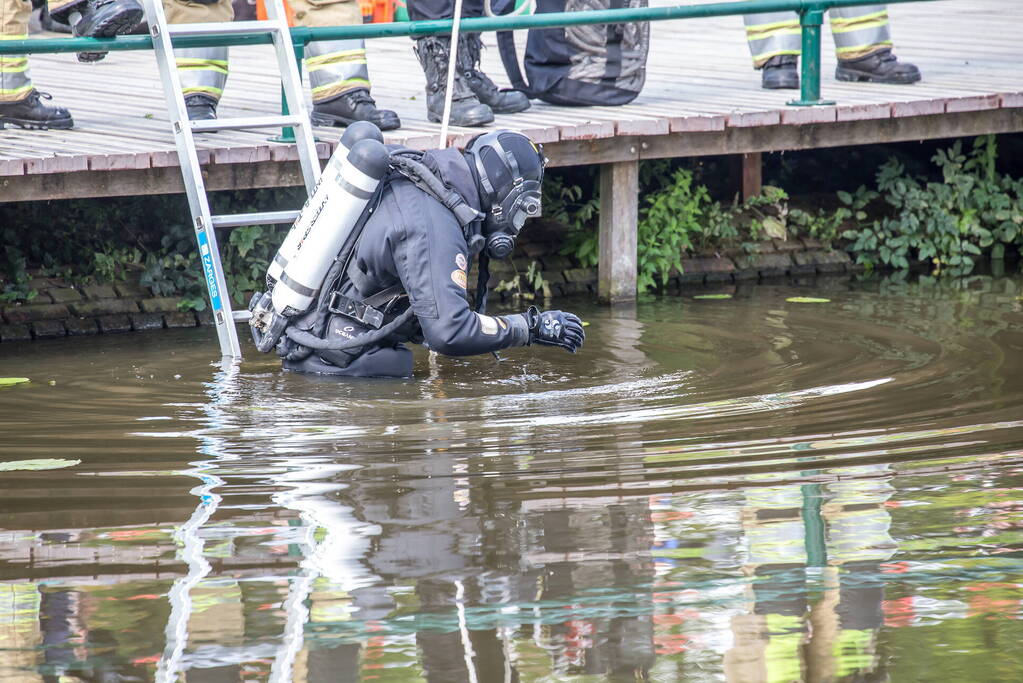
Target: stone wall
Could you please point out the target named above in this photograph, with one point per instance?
(61, 309)
(771, 259)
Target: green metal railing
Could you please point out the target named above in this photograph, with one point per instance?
(811, 17)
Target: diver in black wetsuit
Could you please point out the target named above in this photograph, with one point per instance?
(407, 272)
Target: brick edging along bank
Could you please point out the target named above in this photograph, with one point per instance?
(62, 310)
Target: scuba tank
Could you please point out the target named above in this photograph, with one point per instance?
(325, 187)
(322, 229)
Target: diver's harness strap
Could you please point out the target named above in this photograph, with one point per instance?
(365, 311)
(406, 163)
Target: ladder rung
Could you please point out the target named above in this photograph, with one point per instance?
(241, 316)
(234, 220)
(222, 28)
(249, 122)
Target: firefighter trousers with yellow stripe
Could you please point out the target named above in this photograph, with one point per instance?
(334, 66)
(15, 84)
(858, 32)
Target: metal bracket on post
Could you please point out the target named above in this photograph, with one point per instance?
(810, 21)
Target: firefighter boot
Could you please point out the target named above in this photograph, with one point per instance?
(101, 19)
(470, 48)
(466, 109)
(200, 107)
(31, 113)
(780, 73)
(351, 106)
(880, 67)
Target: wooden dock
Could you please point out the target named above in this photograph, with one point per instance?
(701, 98)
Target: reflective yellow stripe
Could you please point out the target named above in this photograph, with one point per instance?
(15, 91)
(842, 21)
(4, 69)
(195, 61)
(318, 67)
(10, 62)
(342, 56)
(771, 34)
(340, 86)
(758, 59)
(14, 36)
(215, 65)
(861, 27)
(211, 68)
(866, 47)
(207, 89)
(791, 23)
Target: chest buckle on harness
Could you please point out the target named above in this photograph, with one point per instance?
(356, 310)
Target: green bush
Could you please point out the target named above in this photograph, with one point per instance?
(971, 212)
(677, 215)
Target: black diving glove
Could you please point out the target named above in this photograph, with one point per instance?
(555, 328)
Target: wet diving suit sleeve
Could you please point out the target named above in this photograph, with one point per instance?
(431, 259)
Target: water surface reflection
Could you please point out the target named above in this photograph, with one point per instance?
(742, 490)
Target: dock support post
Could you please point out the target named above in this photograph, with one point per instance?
(747, 174)
(619, 216)
(752, 175)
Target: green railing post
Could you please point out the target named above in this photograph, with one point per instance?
(810, 21)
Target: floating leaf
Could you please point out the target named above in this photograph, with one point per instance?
(807, 300)
(713, 296)
(38, 464)
(7, 381)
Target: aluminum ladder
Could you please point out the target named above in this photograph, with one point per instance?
(203, 222)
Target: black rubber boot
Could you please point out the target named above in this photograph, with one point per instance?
(466, 109)
(200, 107)
(102, 19)
(351, 106)
(500, 101)
(880, 67)
(31, 113)
(780, 73)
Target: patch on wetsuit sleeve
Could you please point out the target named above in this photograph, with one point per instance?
(460, 261)
(488, 325)
(458, 276)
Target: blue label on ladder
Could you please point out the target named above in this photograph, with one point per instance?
(207, 269)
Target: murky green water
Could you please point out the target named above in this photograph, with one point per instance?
(743, 490)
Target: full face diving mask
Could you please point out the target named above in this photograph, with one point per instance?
(509, 169)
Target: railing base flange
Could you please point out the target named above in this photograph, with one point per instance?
(810, 103)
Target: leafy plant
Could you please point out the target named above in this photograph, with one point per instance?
(678, 216)
(529, 285)
(948, 224)
(563, 200)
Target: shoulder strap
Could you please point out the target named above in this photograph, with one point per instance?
(613, 57)
(510, 58)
